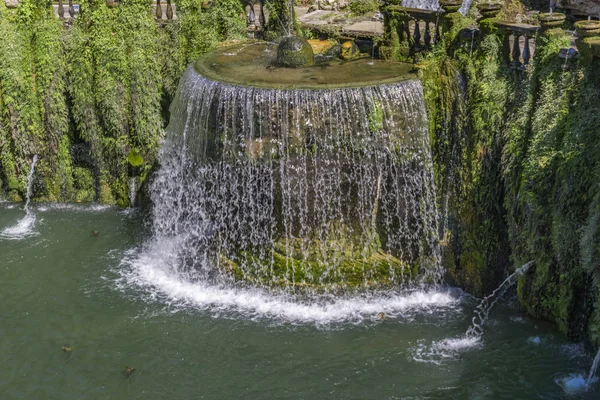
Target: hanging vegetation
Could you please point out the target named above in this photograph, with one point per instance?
(92, 101)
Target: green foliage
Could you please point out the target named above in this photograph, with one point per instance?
(33, 116)
(135, 159)
(518, 155)
(362, 7)
(376, 117)
(201, 30)
(103, 86)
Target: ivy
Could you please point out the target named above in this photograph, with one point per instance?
(95, 97)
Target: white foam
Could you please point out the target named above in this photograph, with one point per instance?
(24, 228)
(573, 384)
(444, 350)
(152, 271)
(535, 340)
(92, 207)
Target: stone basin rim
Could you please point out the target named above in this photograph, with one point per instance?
(314, 89)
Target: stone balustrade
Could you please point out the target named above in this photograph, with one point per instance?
(257, 18)
(518, 42)
(67, 10)
(408, 32)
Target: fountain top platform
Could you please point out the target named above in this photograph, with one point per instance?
(253, 64)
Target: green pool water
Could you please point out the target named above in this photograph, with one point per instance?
(89, 277)
(252, 64)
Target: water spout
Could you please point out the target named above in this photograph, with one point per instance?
(592, 371)
(24, 227)
(483, 309)
(30, 183)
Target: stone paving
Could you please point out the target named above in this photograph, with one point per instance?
(340, 22)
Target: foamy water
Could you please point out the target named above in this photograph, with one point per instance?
(92, 207)
(573, 384)
(24, 228)
(438, 352)
(152, 271)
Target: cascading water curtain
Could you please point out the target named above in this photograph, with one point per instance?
(311, 189)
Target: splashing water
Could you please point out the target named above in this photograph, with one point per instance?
(305, 194)
(154, 272)
(24, 227)
(483, 309)
(445, 349)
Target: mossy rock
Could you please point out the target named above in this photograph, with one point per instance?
(83, 182)
(294, 52)
(134, 158)
(13, 183)
(349, 51)
(14, 195)
(305, 264)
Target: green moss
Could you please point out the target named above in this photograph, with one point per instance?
(105, 83)
(134, 158)
(376, 117)
(516, 152)
(333, 270)
(83, 184)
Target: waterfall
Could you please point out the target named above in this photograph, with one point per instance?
(304, 189)
(133, 188)
(24, 227)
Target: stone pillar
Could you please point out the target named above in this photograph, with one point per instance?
(552, 24)
(451, 18)
(487, 21)
(588, 42)
(392, 29)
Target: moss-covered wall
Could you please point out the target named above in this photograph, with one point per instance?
(517, 154)
(92, 101)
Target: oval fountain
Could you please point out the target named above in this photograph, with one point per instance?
(313, 183)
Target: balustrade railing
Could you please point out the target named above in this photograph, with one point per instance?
(164, 10)
(418, 21)
(409, 31)
(256, 18)
(518, 42)
(159, 10)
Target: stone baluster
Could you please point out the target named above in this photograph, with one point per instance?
(251, 20)
(158, 10)
(417, 36)
(506, 47)
(427, 38)
(256, 9)
(71, 9)
(526, 51)
(261, 15)
(405, 36)
(61, 9)
(169, 10)
(437, 33)
(516, 50)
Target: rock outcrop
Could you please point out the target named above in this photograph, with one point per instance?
(581, 7)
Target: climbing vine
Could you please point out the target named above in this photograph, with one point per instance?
(92, 101)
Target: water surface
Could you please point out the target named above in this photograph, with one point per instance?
(86, 279)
